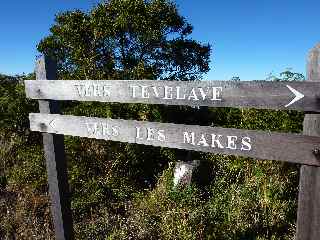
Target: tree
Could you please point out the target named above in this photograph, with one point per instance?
(136, 39)
(235, 78)
(126, 39)
(286, 75)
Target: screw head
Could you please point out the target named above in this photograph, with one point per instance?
(43, 126)
(316, 151)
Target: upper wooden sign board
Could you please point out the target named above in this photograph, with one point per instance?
(302, 96)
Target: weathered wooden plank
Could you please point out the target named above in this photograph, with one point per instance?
(55, 160)
(257, 144)
(256, 94)
(308, 217)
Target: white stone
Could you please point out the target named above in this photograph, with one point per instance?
(183, 173)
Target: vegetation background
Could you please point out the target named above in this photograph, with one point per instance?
(124, 191)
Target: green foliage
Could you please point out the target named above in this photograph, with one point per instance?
(286, 75)
(235, 78)
(29, 173)
(253, 201)
(14, 107)
(126, 40)
(164, 213)
(125, 191)
(24, 206)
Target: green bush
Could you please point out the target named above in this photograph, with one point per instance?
(124, 191)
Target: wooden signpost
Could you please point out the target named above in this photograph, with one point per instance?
(247, 143)
(295, 148)
(308, 217)
(56, 165)
(302, 96)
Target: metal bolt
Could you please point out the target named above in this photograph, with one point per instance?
(316, 151)
(42, 126)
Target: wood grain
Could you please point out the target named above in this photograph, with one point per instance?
(293, 148)
(308, 220)
(55, 160)
(243, 94)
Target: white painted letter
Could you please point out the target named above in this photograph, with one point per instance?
(216, 91)
(216, 140)
(231, 142)
(178, 94)
(96, 90)
(138, 133)
(81, 90)
(91, 128)
(203, 94)
(188, 138)
(89, 90)
(155, 90)
(94, 129)
(203, 141)
(134, 88)
(246, 144)
(161, 136)
(115, 131)
(106, 91)
(193, 95)
(167, 92)
(105, 129)
(150, 132)
(144, 92)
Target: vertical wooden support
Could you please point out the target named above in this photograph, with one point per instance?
(55, 160)
(308, 217)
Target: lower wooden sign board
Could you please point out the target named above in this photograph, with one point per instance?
(293, 148)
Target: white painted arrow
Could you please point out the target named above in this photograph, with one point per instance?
(51, 124)
(298, 96)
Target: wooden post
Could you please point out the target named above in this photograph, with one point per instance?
(308, 217)
(55, 160)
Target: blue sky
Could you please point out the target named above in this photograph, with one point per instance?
(249, 39)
